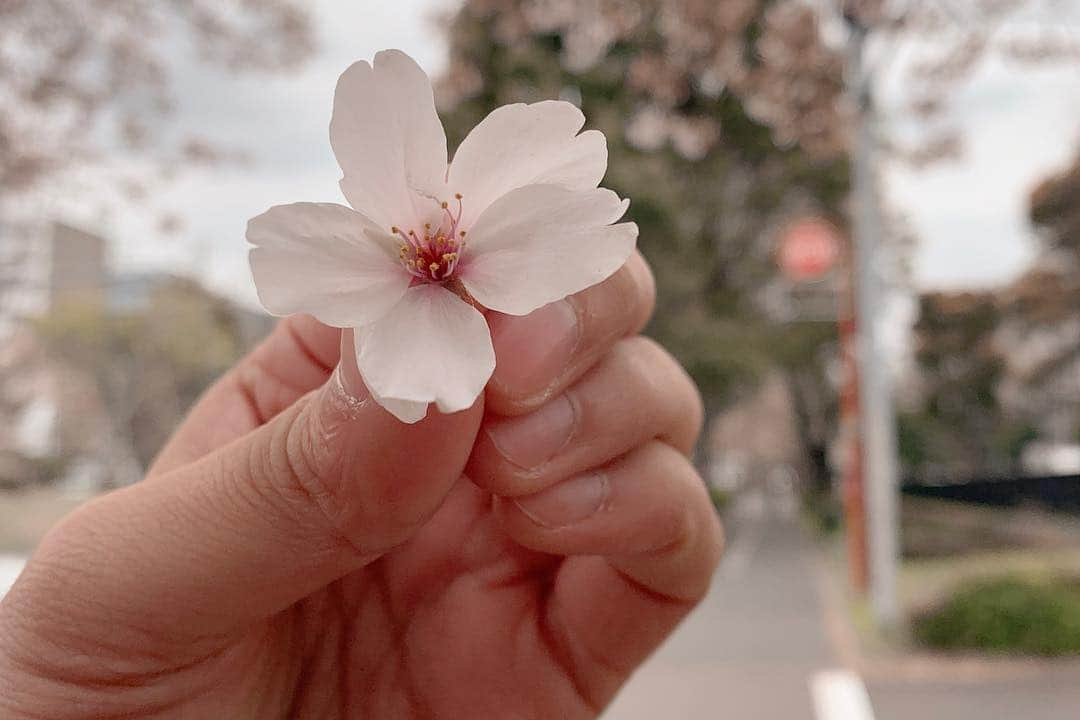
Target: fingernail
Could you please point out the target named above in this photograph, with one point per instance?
(345, 394)
(567, 503)
(348, 374)
(531, 440)
(532, 351)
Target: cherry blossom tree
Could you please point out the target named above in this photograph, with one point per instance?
(82, 81)
(85, 86)
(682, 93)
(725, 120)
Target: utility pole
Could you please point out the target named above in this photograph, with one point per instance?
(852, 484)
(878, 424)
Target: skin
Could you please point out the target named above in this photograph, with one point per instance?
(296, 552)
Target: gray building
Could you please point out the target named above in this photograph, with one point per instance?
(43, 264)
(77, 271)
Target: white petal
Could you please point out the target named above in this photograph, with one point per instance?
(325, 260)
(541, 243)
(388, 139)
(407, 411)
(431, 347)
(518, 145)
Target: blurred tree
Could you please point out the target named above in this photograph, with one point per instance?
(1002, 369)
(1055, 211)
(679, 89)
(721, 121)
(724, 120)
(1042, 311)
(149, 363)
(80, 80)
(961, 429)
(930, 49)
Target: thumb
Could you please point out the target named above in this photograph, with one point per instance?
(327, 486)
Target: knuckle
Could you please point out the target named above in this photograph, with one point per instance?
(705, 539)
(633, 292)
(623, 303)
(693, 407)
(264, 391)
(717, 543)
(695, 536)
(644, 290)
(643, 363)
(687, 491)
(659, 378)
(649, 353)
(301, 469)
(674, 516)
(632, 387)
(53, 600)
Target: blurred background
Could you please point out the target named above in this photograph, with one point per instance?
(864, 218)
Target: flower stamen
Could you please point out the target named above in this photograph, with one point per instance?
(435, 256)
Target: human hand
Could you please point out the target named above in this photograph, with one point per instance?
(296, 552)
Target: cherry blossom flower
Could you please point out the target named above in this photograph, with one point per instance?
(515, 222)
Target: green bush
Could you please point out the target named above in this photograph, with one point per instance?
(1013, 614)
(720, 498)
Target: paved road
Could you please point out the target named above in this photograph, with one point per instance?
(749, 650)
(1050, 695)
(753, 648)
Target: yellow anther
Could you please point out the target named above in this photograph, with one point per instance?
(433, 267)
(427, 226)
(444, 204)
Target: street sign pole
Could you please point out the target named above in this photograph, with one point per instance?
(875, 397)
(851, 485)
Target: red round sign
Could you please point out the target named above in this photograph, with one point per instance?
(808, 249)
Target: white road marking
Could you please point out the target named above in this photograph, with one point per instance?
(840, 695)
(10, 567)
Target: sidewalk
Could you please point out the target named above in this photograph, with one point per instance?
(762, 638)
(751, 648)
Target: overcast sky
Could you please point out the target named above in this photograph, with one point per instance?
(969, 214)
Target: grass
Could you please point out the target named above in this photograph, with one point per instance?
(927, 584)
(1013, 613)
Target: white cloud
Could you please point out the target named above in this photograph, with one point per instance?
(1019, 125)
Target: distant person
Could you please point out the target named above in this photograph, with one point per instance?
(296, 552)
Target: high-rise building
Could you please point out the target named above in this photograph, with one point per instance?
(43, 264)
(76, 267)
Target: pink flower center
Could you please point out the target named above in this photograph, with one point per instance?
(433, 256)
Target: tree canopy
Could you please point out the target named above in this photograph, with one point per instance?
(719, 119)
